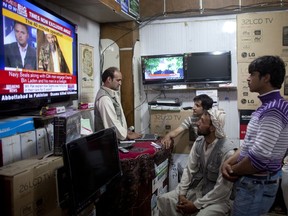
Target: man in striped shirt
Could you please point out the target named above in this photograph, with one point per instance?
(256, 165)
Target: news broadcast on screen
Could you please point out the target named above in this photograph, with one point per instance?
(38, 59)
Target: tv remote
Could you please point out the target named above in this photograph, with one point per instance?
(123, 150)
(127, 141)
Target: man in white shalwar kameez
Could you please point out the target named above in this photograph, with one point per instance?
(202, 190)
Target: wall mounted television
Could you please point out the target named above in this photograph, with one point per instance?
(162, 69)
(92, 165)
(208, 67)
(29, 83)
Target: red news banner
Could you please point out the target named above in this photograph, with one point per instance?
(31, 82)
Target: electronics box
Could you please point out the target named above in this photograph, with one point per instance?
(247, 100)
(162, 122)
(10, 149)
(28, 187)
(67, 127)
(255, 31)
(159, 185)
(28, 144)
(12, 126)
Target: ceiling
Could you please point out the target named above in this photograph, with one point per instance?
(93, 9)
(101, 12)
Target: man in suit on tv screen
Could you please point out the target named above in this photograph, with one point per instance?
(20, 54)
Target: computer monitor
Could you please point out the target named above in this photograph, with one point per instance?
(91, 164)
(208, 67)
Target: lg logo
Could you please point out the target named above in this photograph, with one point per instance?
(245, 54)
(244, 101)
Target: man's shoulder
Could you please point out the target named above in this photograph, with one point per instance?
(102, 94)
(10, 45)
(31, 50)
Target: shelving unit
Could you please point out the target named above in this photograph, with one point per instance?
(190, 87)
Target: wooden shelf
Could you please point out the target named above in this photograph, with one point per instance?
(176, 88)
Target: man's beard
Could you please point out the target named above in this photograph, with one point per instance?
(203, 133)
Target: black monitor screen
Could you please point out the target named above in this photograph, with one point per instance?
(207, 67)
(92, 163)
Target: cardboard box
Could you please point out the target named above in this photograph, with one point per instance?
(161, 173)
(42, 145)
(28, 187)
(284, 89)
(67, 127)
(176, 168)
(249, 100)
(163, 122)
(159, 185)
(134, 7)
(12, 126)
(245, 117)
(10, 150)
(246, 100)
(28, 144)
(264, 33)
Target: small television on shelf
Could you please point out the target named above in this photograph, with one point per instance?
(162, 69)
(207, 67)
(92, 164)
(38, 57)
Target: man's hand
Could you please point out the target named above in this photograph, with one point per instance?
(166, 141)
(185, 206)
(227, 172)
(133, 135)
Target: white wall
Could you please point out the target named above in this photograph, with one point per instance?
(214, 33)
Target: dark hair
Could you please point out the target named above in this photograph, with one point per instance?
(109, 72)
(16, 22)
(206, 101)
(272, 65)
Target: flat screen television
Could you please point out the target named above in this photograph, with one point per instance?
(207, 67)
(162, 69)
(92, 164)
(36, 76)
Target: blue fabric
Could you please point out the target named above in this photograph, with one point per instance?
(255, 194)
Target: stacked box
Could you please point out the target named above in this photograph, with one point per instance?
(67, 127)
(10, 149)
(159, 185)
(28, 187)
(15, 125)
(162, 122)
(28, 144)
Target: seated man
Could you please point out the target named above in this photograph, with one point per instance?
(201, 102)
(202, 189)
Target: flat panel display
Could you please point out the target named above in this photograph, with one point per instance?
(161, 69)
(91, 163)
(207, 67)
(38, 57)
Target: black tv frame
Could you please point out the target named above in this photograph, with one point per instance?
(163, 81)
(200, 67)
(84, 169)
